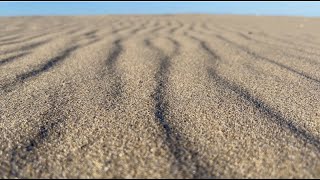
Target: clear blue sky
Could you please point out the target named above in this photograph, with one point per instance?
(93, 8)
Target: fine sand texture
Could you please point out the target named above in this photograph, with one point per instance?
(159, 96)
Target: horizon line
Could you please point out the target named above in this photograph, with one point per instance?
(161, 14)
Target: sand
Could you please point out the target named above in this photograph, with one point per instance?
(171, 96)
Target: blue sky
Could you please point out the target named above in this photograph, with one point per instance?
(94, 8)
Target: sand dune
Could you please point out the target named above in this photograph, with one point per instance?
(172, 96)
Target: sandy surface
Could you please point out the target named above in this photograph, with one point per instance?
(188, 96)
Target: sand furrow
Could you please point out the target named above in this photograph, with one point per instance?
(111, 72)
(292, 52)
(265, 109)
(259, 57)
(174, 140)
(51, 124)
(11, 58)
(42, 68)
(34, 37)
(295, 129)
(26, 47)
(9, 38)
(306, 137)
(174, 29)
(252, 36)
(304, 54)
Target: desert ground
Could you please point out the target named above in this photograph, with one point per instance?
(159, 96)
